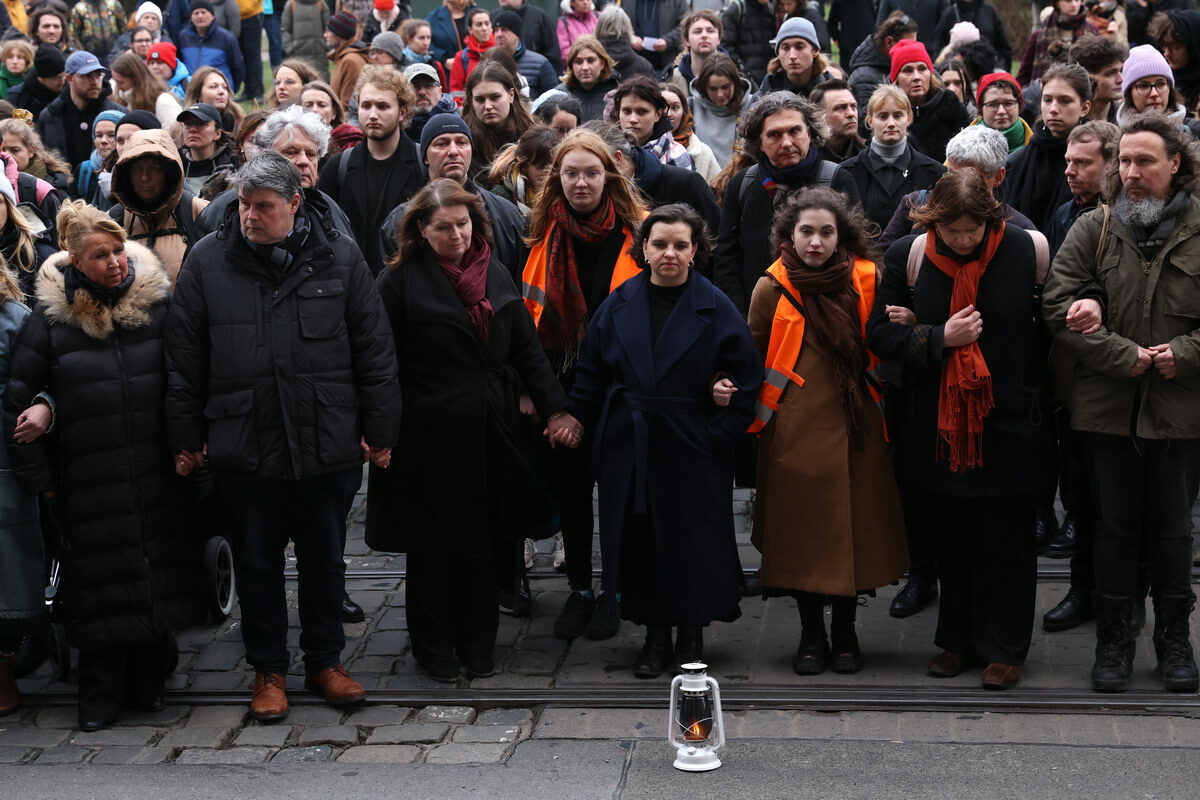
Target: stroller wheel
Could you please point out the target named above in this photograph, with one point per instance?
(218, 566)
(60, 653)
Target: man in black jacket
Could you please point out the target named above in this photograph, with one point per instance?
(66, 124)
(43, 84)
(382, 171)
(537, 30)
(282, 377)
(446, 145)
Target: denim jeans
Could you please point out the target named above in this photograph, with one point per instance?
(250, 42)
(272, 22)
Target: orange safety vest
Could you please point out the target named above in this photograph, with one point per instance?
(533, 279)
(787, 336)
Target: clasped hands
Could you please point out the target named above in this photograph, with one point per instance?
(563, 429)
(186, 460)
(1160, 355)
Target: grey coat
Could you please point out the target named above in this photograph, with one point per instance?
(717, 126)
(303, 24)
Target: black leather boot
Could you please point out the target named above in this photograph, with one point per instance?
(846, 656)
(916, 594)
(1045, 527)
(1062, 544)
(1115, 643)
(1074, 610)
(1176, 663)
(812, 655)
(655, 656)
(689, 644)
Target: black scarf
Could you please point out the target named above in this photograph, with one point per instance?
(791, 177)
(1036, 184)
(74, 280)
(281, 255)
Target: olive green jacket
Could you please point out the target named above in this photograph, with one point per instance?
(1148, 303)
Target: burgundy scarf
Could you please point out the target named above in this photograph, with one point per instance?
(469, 280)
(565, 315)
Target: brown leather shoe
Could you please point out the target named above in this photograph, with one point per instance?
(1001, 676)
(10, 695)
(269, 701)
(947, 664)
(336, 686)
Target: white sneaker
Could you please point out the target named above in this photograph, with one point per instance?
(560, 553)
(529, 552)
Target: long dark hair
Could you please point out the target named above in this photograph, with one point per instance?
(856, 233)
(439, 194)
(487, 139)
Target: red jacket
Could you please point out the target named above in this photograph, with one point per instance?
(464, 62)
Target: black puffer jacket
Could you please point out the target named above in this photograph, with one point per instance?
(869, 70)
(68, 129)
(132, 555)
(749, 28)
(935, 123)
(626, 62)
(280, 378)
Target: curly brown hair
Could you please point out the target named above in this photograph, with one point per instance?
(441, 193)
(856, 233)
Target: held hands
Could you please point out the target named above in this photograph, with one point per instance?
(1084, 316)
(564, 430)
(900, 315)
(1144, 359)
(186, 461)
(33, 422)
(1164, 360)
(378, 456)
(962, 328)
(722, 392)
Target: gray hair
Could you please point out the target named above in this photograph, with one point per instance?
(614, 138)
(285, 120)
(751, 127)
(980, 147)
(268, 170)
(613, 23)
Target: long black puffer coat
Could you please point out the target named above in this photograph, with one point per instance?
(749, 28)
(132, 555)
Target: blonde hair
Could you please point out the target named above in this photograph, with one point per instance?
(888, 92)
(77, 221)
(587, 42)
(25, 253)
(29, 137)
(24, 48)
(10, 288)
(390, 79)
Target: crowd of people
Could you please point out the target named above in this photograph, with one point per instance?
(662, 250)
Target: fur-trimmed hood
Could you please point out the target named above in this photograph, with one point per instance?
(150, 286)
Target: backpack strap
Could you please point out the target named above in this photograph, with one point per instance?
(750, 176)
(1102, 245)
(826, 172)
(343, 165)
(915, 255)
(1041, 250)
(187, 214)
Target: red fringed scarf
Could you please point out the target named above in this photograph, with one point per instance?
(469, 280)
(565, 315)
(965, 398)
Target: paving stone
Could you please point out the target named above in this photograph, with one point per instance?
(131, 755)
(387, 643)
(328, 734)
(29, 736)
(220, 656)
(315, 715)
(454, 715)
(196, 736)
(393, 619)
(236, 755)
(503, 734)
(372, 665)
(295, 755)
(222, 681)
(380, 754)
(504, 716)
(468, 754)
(264, 735)
(66, 717)
(169, 715)
(417, 733)
(379, 715)
(601, 723)
(13, 755)
(218, 716)
(117, 737)
(62, 755)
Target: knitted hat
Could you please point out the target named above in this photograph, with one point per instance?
(390, 43)
(164, 52)
(439, 124)
(1143, 62)
(343, 25)
(6, 189)
(963, 33)
(108, 115)
(509, 20)
(149, 8)
(205, 4)
(796, 27)
(346, 135)
(991, 78)
(49, 62)
(143, 119)
(907, 51)
(385, 5)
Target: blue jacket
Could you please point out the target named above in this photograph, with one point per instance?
(537, 70)
(445, 36)
(179, 16)
(178, 82)
(217, 48)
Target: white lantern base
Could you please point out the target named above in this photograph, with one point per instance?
(695, 759)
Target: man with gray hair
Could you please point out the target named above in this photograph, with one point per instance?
(1133, 387)
(282, 379)
(981, 148)
(783, 134)
(302, 138)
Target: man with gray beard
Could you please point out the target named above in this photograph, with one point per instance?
(1132, 392)
(430, 100)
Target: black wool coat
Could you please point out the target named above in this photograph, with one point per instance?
(460, 478)
(1018, 434)
(132, 554)
(936, 122)
(1035, 184)
(881, 188)
(282, 378)
(679, 185)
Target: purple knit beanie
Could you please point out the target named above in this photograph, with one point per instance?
(1143, 62)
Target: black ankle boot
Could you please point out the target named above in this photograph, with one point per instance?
(1176, 663)
(812, 655)
(846, 656)
(689, 644)
(1062, 543)
(1073, 610)
(655, 656)
(1115, 643)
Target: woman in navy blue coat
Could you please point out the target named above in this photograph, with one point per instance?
(667, 379)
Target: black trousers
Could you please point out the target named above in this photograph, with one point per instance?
(451, 607)
(987, 563)
(262, 516)
(1143, 490)
(571, 485)
(112, 678)
(250, 43)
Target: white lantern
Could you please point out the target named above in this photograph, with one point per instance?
(696, 728)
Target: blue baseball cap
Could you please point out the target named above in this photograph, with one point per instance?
(82, 63)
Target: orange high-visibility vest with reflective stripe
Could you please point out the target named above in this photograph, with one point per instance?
(787, 336)
(533, 279)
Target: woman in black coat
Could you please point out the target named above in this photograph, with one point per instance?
(937, 113)
(974, 451)
(467, 352)
(667, 379)
(132, 560)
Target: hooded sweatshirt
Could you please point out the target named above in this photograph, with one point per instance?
(716, 125)
(157, 224)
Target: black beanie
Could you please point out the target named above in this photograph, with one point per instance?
(443, 123)
(205, 4)
(49, 62)
(143, 119)
(507, 18)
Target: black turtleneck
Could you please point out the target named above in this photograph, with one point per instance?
(594, 262)
(662, 303)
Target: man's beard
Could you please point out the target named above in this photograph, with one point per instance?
(1144, 213)
(422, 107)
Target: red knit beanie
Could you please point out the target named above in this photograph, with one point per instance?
(986, 82)
(906, 51)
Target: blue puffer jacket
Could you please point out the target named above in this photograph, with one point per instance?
(216, 48)
(178, 82)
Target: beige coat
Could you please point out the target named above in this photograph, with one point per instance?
(827, 518)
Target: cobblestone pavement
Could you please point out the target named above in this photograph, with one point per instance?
(754, 651)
